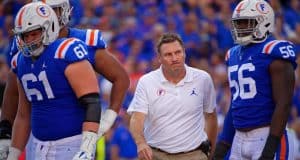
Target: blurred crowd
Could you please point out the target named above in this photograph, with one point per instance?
(131, 28)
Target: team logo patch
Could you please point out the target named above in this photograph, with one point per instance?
(262, 8)
(161, 92)
(43, 11)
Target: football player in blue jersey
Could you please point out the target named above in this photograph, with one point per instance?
(261, 78)
(58, 90)
(102, 62)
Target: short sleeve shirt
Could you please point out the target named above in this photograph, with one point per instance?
(174, 112)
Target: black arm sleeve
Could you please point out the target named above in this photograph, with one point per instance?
(92, 104)
(5, 129)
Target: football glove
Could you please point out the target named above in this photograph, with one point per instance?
(88, 146)
(107, 120)
(14, 153)
(5, 136)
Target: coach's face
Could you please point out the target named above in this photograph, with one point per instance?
(172, 56)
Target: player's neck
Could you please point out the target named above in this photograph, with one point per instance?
(64, 32)
(34, 58)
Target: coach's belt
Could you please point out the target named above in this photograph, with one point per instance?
(205, 147)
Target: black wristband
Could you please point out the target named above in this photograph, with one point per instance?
(270, 147)
(221, 150)
(5, 129)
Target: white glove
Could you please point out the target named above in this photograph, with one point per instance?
(107, 120)
(88, 146)
(14, 153)
(4, 147)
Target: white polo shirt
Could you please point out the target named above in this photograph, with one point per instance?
(174, 113)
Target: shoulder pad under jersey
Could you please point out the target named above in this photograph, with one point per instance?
(71, 50)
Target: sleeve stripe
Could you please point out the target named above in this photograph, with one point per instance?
(14, 61)
(92, 37)
(63, 47)
(227, 55)
(270, 46)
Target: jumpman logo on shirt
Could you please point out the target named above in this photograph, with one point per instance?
(194, 92)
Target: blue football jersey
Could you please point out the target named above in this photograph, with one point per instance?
(92, 38)
(250, 81)
(56, 112)
(13, 51)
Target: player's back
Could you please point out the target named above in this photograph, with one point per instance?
(56, 112)
(250, 81)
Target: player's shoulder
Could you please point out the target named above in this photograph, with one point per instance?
(69, 49)
(278, 48)
(14, 47)
(91, 37)
(231, 52)
(14, 61)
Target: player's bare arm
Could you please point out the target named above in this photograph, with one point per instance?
(283, 81)
(112, 70)
(8, 113)
(21, 128)
(83, 87)
(87, 92)
(10, 99)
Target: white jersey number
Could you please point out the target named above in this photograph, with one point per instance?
(80, 51)
(240, 83)
(33, 91)
(287, 51)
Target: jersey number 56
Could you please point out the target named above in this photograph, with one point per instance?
(240, 82)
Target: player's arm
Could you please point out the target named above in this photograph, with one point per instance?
(21, 127)
(8, 113)
(283, 81)
(224, 143)
(137, 130)
(10, 99)
(9, 105)
(84, 83)
(112, 70)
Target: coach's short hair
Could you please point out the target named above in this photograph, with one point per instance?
(168, 38)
